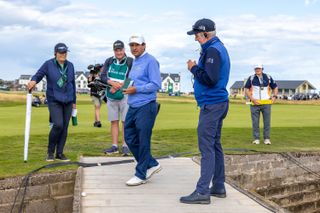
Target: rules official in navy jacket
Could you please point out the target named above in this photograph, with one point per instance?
(61, 96)
(211, 75)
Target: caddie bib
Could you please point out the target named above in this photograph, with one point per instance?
(117, 72)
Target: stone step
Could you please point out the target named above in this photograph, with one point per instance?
(268, 192)
(315, 211)
(304, 206)
(295, 197)
(269, 179)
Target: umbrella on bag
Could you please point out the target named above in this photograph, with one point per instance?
(27, 126)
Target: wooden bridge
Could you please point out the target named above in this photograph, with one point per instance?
(104, 190)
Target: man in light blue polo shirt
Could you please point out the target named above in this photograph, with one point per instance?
(145, 73)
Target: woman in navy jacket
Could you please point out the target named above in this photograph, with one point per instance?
(61, 96)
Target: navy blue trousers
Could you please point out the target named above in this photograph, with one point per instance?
(209, 135)
(60, 114)
(137, 132)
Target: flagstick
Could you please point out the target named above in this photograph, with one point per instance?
(27, 127)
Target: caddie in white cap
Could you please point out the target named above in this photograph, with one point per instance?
(258, 66)
(259, 88)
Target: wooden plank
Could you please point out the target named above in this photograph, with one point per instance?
(106, 190)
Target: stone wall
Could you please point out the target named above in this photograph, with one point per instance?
(271, 170)
(284, 182)
(270, 175)
(50, 193)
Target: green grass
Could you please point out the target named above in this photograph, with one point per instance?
(294, 128)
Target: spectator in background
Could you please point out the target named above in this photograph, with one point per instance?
(94, 93)
(259, 88)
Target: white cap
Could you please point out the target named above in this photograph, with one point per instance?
(139, 39)
(258, 66)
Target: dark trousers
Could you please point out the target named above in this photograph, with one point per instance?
(60, 114)
(209, 135)
(137, 132)
(255, 116)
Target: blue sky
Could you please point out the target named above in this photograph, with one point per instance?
(283, 35)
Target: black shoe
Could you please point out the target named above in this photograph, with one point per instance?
(97, 124)
(62, 157)
(196, 198)
(50, 157)
(220, 193)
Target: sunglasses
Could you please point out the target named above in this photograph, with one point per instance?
(199, 28)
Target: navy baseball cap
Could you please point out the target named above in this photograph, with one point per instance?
(61, 48)
(118, 45)
(202, 25)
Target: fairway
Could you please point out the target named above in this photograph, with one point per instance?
(294, 128)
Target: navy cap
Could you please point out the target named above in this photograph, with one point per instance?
(202, 25)
(118, 45)
(60, 48)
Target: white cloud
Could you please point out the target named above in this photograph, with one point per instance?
(309, 2)
(14, 14)
(287, 45)
(43, 5)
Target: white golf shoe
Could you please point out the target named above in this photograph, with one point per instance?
(267, 141)
(256, 142)
(153, 170)
(135, 181)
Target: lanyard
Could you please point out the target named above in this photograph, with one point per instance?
(62, 69)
